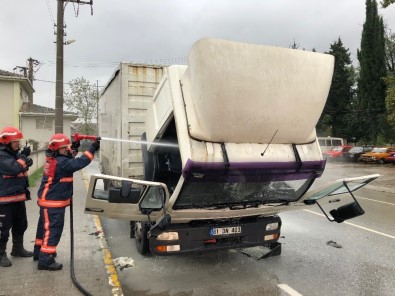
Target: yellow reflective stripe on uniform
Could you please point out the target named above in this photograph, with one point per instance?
(67, 179)
(14, 198)
(53, 203)
(48, 249)
(38, 242)
(19, 175)
(90, 155)
(21, 162)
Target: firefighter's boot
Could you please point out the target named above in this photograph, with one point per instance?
(4, 261)
(52, 266)
(17, 248)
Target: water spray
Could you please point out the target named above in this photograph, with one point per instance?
(141, 142)
(77, 137)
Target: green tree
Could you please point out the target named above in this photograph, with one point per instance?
(386, 3)
(82, 99)
(336, 117)
(390, 51)
(390, 101)
(371, 85)
(389, 135)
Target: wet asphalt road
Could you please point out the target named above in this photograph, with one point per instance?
(364, 265)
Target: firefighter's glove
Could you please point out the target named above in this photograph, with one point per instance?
(26, 151)
(75, 145)
(96, 145)
(29, 162)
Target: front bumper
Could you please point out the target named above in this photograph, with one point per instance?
(197, 236)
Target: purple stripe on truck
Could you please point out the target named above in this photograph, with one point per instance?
(252, 171)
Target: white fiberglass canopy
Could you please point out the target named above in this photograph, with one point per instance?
(245, 93)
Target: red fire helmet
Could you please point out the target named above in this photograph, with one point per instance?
(10, 134)
(58, 141)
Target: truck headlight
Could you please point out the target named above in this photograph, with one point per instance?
(272, 226)
(167, 236)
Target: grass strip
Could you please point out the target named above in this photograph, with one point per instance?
(36, 176)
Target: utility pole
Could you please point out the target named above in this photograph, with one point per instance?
(59, 62)
(97, 107)
(31, 64)
(59, 69)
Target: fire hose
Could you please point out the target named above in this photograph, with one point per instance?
(77, 138)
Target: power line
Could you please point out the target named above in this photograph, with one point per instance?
(68, 83)
(50, 12)
(161, 61)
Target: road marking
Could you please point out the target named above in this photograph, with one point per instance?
(289, 290)
(107, 258)
(384, 202)
(355, 225)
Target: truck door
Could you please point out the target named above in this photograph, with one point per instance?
(336, 193)
(126, 199)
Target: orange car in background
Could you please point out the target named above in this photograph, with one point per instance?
(336, 152)
(378, 155)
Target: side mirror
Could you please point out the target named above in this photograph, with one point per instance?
(346, 212)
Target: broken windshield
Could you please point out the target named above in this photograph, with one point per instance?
(221, 194)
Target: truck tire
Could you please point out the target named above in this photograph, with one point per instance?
(140, 237)
(381, 161)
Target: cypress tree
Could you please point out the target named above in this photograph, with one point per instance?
(371, 86)
(336, 114)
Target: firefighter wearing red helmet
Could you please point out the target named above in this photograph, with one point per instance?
(13, 193)
(55, 194)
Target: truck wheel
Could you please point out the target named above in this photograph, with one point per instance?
(381, 161)
(140, 237)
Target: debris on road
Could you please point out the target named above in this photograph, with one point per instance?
(123, 262)
(333, 244)
(96, 232)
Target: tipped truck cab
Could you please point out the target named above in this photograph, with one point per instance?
(222, 152)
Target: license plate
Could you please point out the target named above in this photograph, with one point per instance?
(225, 230)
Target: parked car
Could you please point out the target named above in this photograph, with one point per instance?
(378, 154)
(336, 152)
(391, 158)
(354, 154)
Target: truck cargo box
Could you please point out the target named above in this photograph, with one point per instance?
(122, 106)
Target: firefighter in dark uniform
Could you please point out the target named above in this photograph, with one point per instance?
(13, 193)
(55, 194)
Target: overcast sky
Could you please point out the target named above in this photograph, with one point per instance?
(162, 31)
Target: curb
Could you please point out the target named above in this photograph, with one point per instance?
(107, 258)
